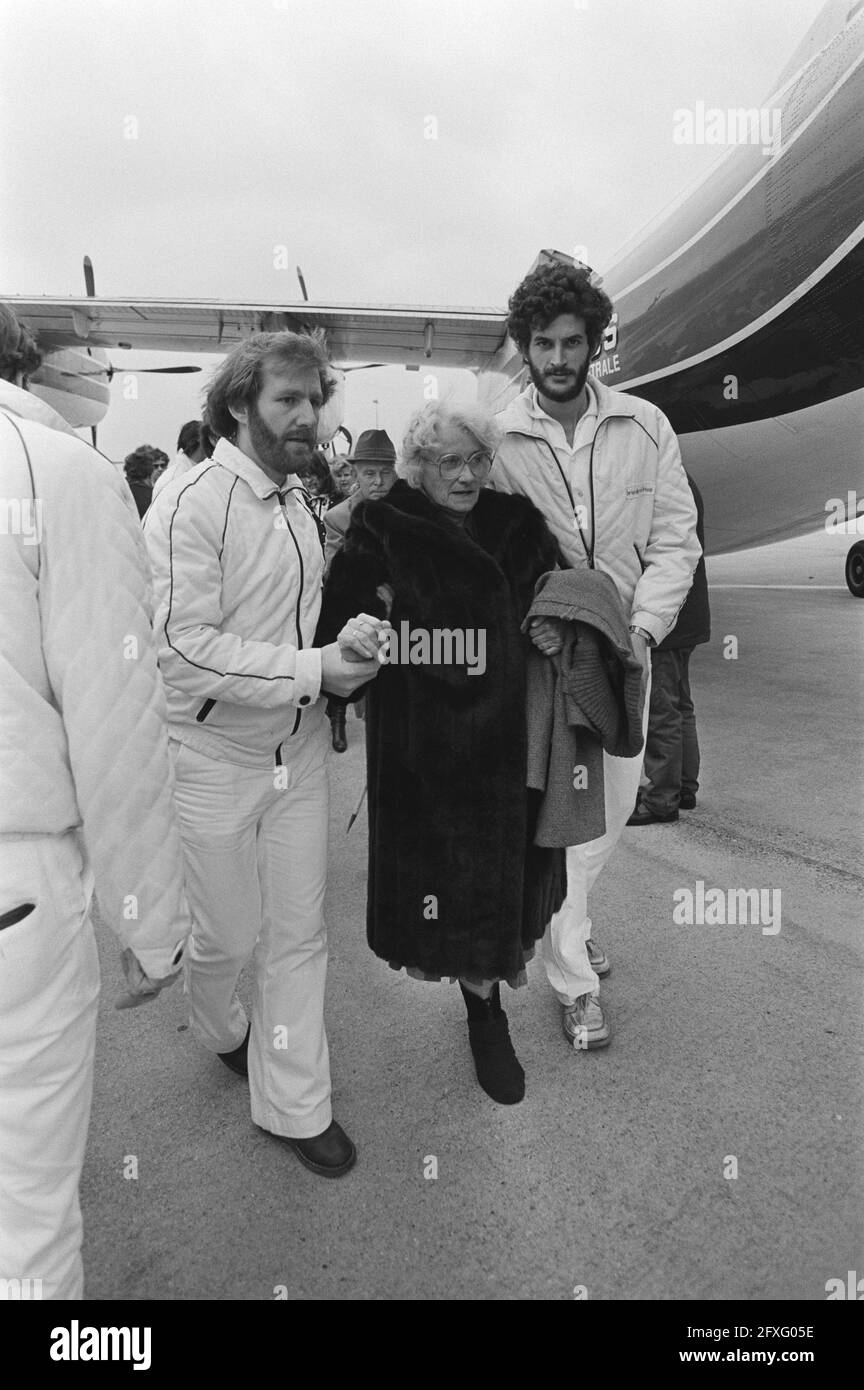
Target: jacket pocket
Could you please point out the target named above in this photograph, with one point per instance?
(204, 711)
(16, 914)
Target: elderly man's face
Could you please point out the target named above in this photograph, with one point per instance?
(457, 491)
(374, 480)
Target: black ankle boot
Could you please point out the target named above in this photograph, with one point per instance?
(337, 729)
(495, 1062)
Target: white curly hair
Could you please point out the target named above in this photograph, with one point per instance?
(424, 431)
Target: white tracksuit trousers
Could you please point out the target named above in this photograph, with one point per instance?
(49, 990)
(563, 947)
(255, 846)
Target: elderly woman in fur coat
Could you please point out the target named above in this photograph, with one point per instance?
(456, 888)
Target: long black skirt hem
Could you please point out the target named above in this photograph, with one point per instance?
(516, 981)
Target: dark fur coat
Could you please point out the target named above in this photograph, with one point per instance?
(455, 885)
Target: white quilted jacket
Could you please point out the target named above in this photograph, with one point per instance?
(642, 525)
(237, 567)
(83, 741)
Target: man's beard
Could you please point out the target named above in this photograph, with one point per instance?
(560, 393)
(282, 454)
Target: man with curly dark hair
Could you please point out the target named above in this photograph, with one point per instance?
(605, 470)
(550, 291)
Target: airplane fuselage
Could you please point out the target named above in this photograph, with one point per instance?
(741, 315)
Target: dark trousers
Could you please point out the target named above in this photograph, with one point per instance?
(671, 748)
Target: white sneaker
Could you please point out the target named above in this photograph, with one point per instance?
(585, 1025)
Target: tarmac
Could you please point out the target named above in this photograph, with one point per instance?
(713, 1150)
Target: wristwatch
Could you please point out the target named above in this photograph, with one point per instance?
(643, 633)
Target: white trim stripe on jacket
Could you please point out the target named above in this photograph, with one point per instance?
(237, 568)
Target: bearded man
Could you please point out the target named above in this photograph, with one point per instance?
(605, 470)
(237, 560)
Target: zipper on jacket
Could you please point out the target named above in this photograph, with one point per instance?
(204, 711)
(541, 439)
(601, 423)
(589, 549)
(297, 629)
(306, 501)
(570, 496)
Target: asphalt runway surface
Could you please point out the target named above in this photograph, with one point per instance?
(614, 1178)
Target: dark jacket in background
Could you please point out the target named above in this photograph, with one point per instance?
(143, 494)
(586, 699)
(694, 620)
(450, 816)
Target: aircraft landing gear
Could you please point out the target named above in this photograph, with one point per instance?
(855, 569)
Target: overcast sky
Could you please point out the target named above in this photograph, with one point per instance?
(180, 142)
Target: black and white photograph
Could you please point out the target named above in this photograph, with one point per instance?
(431, 564)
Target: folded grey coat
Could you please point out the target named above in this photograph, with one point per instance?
(588, 698)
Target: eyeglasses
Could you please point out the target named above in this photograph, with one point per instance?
(451, 465)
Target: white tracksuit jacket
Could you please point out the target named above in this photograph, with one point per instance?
(641, 527)
(82, 709)
(237, 568)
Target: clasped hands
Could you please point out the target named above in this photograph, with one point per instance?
(361, 637)
(354, 658)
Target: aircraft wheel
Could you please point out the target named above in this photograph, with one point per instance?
(855, 569)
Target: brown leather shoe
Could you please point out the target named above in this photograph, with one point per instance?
(329, 1154)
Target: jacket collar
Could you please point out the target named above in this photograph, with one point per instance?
(520, 416)
(28, 406)
(232, 458)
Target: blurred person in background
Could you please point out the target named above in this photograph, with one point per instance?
(160, 463)
(320, 485)
(373, 466)
(138, 467)
(342, 474)
(194, 445)
(670, 773)
(373, 472)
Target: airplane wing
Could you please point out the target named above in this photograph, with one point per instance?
(381, 333)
